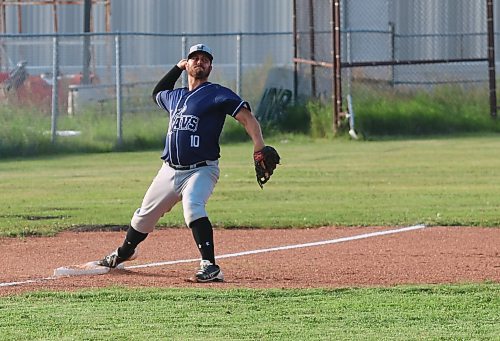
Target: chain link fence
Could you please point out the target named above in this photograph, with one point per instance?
(314, 42)
(390, 46)
(121, 76)
(386, 47)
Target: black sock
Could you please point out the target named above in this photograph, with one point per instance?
(131, 241)
(203, 234)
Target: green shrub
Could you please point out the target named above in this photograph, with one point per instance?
(321, 119)
(25, 131)
(445, 110)
(22, 134)
(378, 112)
(297, 119)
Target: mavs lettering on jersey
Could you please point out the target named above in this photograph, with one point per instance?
(187, 122)
(196, 121)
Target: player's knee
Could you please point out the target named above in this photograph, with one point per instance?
(143, 223)
(194, 212)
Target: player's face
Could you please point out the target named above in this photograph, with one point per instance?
(199, 66)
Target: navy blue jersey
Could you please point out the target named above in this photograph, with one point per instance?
(196, 121)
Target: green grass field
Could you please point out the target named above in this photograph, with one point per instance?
(449, 181)
(441, 181)
(452, 312)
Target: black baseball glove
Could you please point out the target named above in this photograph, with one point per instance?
(265, 161)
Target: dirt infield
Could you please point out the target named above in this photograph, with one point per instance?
(429, 255)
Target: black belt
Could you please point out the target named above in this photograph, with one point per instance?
(196, 165)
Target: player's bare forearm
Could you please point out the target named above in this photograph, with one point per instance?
(252, 127)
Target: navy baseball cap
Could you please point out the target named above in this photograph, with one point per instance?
(201, 48)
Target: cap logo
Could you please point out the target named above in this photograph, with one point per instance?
(201, 48)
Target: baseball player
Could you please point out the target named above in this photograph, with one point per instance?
(190, 167)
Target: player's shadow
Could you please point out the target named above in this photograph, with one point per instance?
(142, 273)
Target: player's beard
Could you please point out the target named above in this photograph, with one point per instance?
(200, 73)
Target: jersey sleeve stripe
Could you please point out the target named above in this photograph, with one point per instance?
(242, 104)
(159, 101)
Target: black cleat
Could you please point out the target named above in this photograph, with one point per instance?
(113, 260)
(209, 272)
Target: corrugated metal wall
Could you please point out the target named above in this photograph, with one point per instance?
(191, 17)
(201, 16)
(415, 18)
(171, 17)
(434, 17)
(385, 30)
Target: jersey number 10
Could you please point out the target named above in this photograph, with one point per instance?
(195, 141)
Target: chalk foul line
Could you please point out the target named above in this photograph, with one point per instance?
(287, 247)
(245, 253)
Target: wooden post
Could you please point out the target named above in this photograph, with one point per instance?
(312, 47)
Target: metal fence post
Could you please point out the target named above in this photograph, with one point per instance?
(86, 41)
(184, 53)
(392, 29)
(238, 64)
(337, 71)
(295, 54)
(55, 88)
(118, 65)
(491, 58)
(348, 46)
